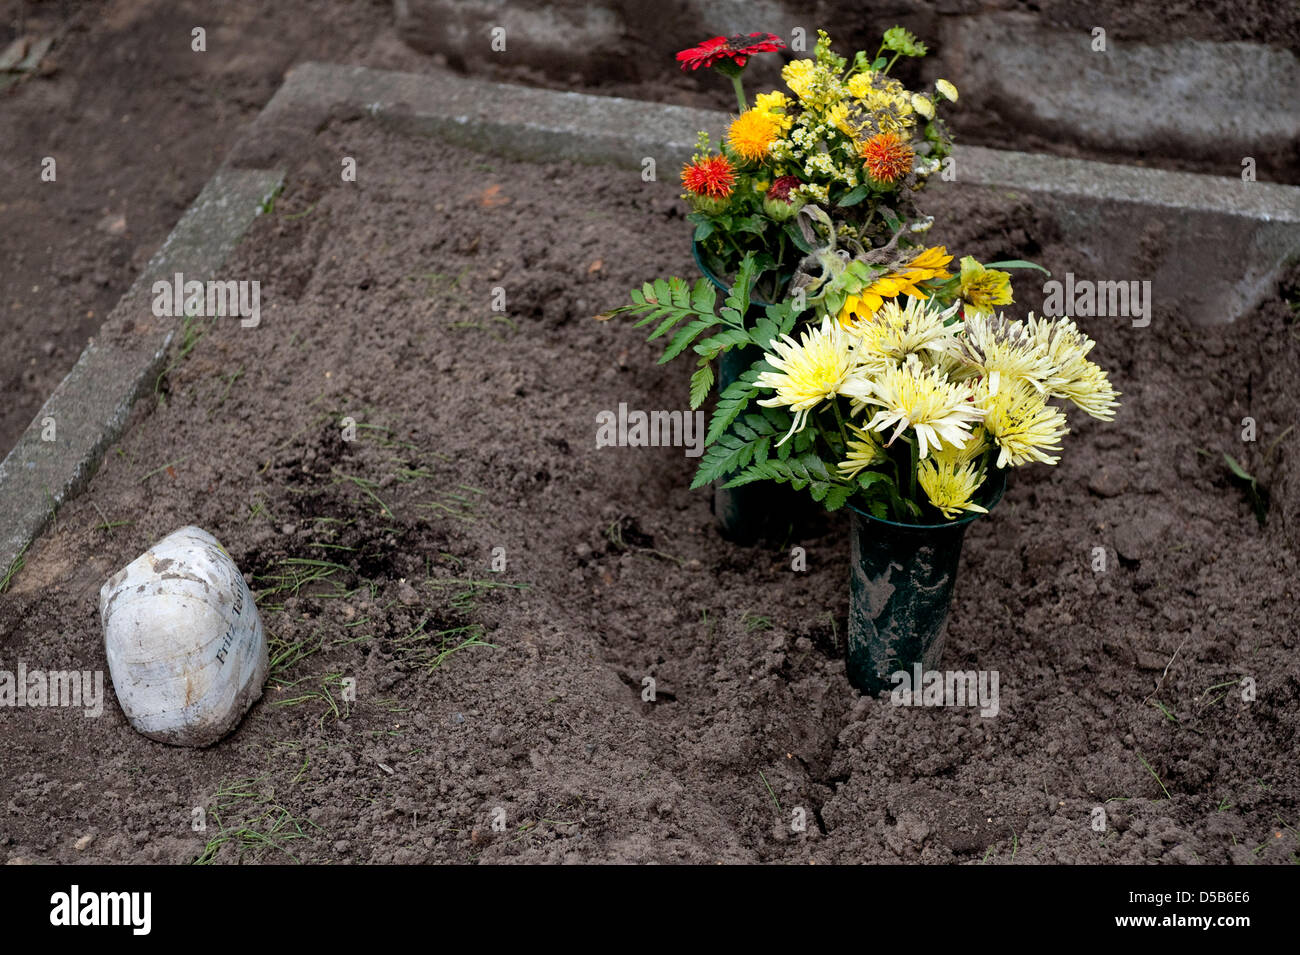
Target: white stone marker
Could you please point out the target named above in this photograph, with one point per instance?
(184, 641)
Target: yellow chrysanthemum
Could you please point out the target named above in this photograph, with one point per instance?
(982, 288)
(863, 451)
(774, 105)
(859, 85)
(800, 75)
(910, 395)
(894, 332)
(950, 480)
(771, 102)
(1072, 375)
(1021, 423)
(808, 372)
(838, 116)
(751, 135)
(922, 105)
(946, 90)
(928, 264)
(884, 103)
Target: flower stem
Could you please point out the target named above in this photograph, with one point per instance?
(740, 91)
(839, 420)
(911, 474)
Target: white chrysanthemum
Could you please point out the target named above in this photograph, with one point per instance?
(1071, 374)
(993, 347)
(894, 332)
(808, 372)
(940, 411)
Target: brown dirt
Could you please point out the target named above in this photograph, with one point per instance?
(376, 302)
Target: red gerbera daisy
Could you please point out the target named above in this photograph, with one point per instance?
(887, 158)
(738, 49)
(711, 177)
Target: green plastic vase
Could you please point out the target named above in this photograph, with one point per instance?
(900, 589)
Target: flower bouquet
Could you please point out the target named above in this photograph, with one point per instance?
(841, 157)
(851, 139)
(881, 376)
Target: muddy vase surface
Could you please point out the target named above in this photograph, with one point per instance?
(184, 641)
(900, 589)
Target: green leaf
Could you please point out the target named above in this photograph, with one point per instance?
(1237, 469)
(739, 297)
(1016, 264)
(730, 453)
(703, 231)
(703, 297)
(733, 400)
(854, 196)
(674, 316)
(701, 384)
(710, 347)
(796, 236)
(867, 479)
(879, 63)
(685, 336)
(663, 292)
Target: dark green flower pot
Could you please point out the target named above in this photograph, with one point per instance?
(762, 510)
(900, 588)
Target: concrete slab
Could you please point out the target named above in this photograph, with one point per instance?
(1212, 247)
(1219, 102)
(62, 447)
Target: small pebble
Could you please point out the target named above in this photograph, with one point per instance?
(1108, 482)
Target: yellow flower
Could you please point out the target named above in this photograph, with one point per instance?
(946, 90)
(751, 135)
(1022, 424)
(807, 372)
(922, 105)
(800, 75)
(983, 288)
(928, 264)
(951, 477)
(838, 116)
(859, 85)
(774, 106)
(886, 101)
(862, 452)
(910, 395)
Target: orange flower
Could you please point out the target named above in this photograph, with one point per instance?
(752, 133)
(711, 177)
(887, 158)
